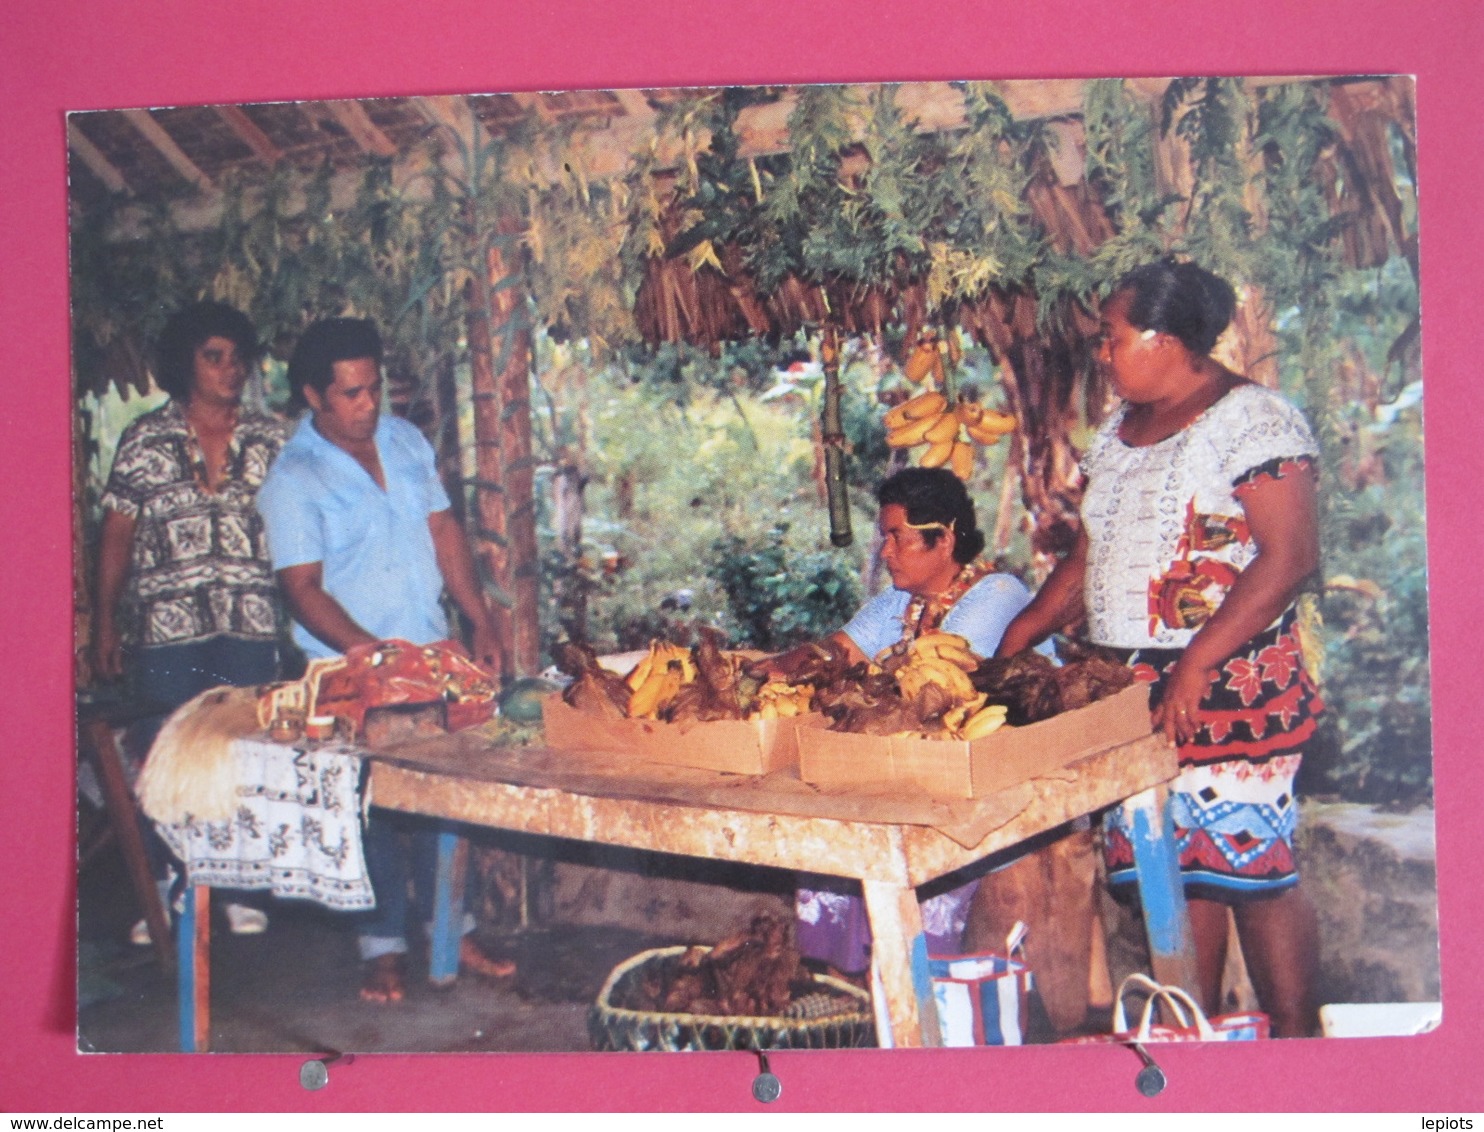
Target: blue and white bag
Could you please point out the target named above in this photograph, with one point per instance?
(983, 999)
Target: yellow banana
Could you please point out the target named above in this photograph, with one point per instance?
(945, 427)
(928, 404)
(656, 692)
(913, 432)
(938, 454)
(920, 362)
(991, 426)
(948, 675)
(961, 460)
(938, 640)
(641, 671)
(969, 413)
(982, 722)
(947, 646)
(680, 655)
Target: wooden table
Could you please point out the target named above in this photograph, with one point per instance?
(890, 843)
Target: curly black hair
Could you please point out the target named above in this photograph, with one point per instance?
(936, 495)
(187, 331)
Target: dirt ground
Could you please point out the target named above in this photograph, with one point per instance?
(294, 987)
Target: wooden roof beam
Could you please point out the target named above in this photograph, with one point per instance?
(364, 132)
(143, 121)
(635, 105)
(529, 100)
(92, 157)
(249, 134)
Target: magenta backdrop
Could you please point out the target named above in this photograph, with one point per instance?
(133, 53)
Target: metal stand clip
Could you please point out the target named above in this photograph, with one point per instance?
(1151, 1080)
(314, 1074)
(766, 1088)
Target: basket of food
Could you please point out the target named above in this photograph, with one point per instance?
(736, 995)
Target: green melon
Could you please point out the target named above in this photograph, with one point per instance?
(521, 702)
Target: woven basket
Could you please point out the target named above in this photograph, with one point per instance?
(849, 1023)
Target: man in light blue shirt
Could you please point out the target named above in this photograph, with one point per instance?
(363, 544)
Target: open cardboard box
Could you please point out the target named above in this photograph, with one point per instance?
(751, 746)
(958, 769)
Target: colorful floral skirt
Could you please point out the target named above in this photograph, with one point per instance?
(1232, 803)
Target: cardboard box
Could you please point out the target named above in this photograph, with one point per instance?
(755, 746)
(956, 769)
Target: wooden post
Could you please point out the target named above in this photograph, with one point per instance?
(902, 989)
(448, 907)
(193, 970)
(500, 348)
(833, 437)
(1161, 891)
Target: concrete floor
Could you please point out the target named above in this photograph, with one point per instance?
(294, 987)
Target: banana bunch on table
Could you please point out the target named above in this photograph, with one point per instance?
(945, 660)
(657, 679)
(780, 700)
(673, 682)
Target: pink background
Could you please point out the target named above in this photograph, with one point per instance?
(77, 55)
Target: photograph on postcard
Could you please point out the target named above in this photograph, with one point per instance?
(768, 567)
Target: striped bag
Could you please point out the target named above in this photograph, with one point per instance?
(983, 999)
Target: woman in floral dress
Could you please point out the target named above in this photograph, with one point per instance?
(1199, 530)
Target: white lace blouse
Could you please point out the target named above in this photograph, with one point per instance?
(1166, 529)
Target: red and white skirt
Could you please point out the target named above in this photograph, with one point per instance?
(1233, 804)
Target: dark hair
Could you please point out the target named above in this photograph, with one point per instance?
(326, 342)
(936, 495)
(1180, 299)
(187, 331)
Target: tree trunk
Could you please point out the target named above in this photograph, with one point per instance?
(570, 588)
(518, 571)
(447, 443)
(1042, 376)
(500, 347)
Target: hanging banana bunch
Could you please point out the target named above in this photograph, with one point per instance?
(950, 432)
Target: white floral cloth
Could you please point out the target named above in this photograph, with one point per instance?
(296, 830)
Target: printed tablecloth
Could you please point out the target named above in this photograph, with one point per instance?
(296, 829)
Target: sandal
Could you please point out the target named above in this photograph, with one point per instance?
(472, 959)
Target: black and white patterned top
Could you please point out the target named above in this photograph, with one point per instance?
(1166, 531)
(199, 562)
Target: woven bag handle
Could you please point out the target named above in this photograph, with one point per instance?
(1175, 997)
(1015, 941)
(1150, 987)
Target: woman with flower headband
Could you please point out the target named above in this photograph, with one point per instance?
(931, 547)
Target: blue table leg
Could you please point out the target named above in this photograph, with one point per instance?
(193, 969)
(1157, 863)
(448, 909)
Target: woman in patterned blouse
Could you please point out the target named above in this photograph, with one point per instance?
(1199, 529)
(181, 537)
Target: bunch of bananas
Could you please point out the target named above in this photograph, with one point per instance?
(949, 430)
(657, 679)
(779, 700)
(945, 659)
